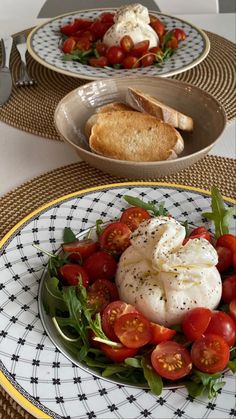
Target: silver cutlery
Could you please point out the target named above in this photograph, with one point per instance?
(5, 74)
(24, 78)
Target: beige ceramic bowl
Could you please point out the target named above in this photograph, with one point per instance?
(209, 121)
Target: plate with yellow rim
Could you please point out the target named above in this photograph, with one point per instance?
(44, 41)
(37, 374)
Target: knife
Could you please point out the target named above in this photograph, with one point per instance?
(5, 75)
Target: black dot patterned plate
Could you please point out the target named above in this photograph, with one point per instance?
(43, 45)
(33, 370)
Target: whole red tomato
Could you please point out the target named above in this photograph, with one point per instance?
(229, 289)
(222, 324)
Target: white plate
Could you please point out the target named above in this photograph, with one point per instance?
(37, 374)
(43, 44)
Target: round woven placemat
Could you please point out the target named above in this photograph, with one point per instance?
(31, 109)
(15, 205)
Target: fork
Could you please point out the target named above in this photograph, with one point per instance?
(24, 78)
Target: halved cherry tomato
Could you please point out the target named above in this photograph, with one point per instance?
(68, 45)
(83, 44)
(108, 287)
(227, 240)
(134, 216)
(210, 353)
(133, 330)
(140, 48)
(171, 360)
(198, 232)
(100, 265)
(98, 62)
(101, 48)
(117, 354)
(115, 237)
(161, 333)
(115, 55)
(158, 27)
(111, 313)
(147, 60)
(229, 289)
(126, 43)
(98, 300)
(71, 273)
(225, 258)
(221, 324)
(107, 17)
(78, 24)
(131, 62)
(179, 34)
(80, 249)
(232, 309)
(195, 322)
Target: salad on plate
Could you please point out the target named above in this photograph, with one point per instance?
(148, 301)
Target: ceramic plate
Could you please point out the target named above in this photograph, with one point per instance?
(33, 370)
(43, 45)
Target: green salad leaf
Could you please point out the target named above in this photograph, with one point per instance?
(68, 235)
(220, 215)
(203, 384)
(149, 206)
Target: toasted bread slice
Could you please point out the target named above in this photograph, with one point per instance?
(134, 136)
(110, 107)
(146, 103)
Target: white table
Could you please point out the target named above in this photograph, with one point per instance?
(24, 156)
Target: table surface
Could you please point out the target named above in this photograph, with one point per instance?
(24, 156)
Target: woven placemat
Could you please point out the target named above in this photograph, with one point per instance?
(31, 109)
(15, 205)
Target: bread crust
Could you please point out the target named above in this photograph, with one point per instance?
(134, 136)
(146, 103)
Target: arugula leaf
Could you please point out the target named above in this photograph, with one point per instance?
(52, 298)
(149, 206)
(232, 366)
(154, 380)
(134, 362)
(98, 227)
(203, 383)
(68, 235)
(220, 215)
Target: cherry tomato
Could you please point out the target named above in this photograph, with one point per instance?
(80, 249)
(133, 330)
(99, 29)
(225, 258)
(172, 43)
(68, 45)
(98, 300)
(171, 360)
(115, 237)
(179, 34)
(78, 24)
(134, 216)
(221, 324)
(126, 43)
(70, 274)
(117, 354)
(83, 44)
(232, 309)
(195, 322)
(106, 17)
(158, 27)
(115, 55)
(112, 312)
(83, 34)
(227, 240)
(210, 353)
(158, 53)
(152, 18)
(101, 48)
(229, 289)
(106, 286)
(161, 333)
(234, 261)
(131, 62)
(98, 62)
(198, 232)
(100, 265)
(140, 48)
(147, 60)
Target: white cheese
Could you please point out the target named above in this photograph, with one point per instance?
(163, 278)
